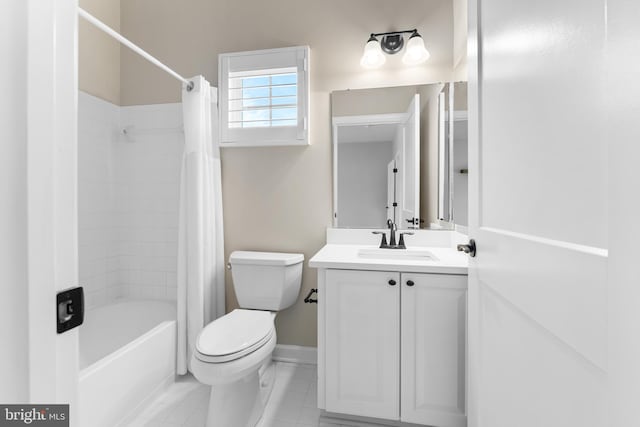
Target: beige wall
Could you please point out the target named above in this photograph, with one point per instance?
(460, 102)
(189, 36)
(279, 199)
(371, 101)
(98, 54)
(460, 73)
(460, 40)
(429, 156)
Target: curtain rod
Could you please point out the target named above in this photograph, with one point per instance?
(111, 32)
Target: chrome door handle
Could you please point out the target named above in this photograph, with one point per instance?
(469, 248)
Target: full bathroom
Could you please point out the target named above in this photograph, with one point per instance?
(136, 198)
(242, 213)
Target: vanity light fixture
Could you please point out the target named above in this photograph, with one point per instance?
(372, 56)
(392, 43)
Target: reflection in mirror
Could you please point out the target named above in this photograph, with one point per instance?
(459, 169)
(392, 156)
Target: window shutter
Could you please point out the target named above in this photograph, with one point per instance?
(264, 97)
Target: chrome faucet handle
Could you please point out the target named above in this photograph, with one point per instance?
(401, 244)
(383, 242)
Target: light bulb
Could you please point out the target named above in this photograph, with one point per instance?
(372, 56)
(415, 52)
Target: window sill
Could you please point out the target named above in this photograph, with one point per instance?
(284, 143)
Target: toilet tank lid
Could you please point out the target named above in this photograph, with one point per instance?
(264, 258)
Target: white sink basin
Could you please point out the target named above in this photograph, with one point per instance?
(409, 254)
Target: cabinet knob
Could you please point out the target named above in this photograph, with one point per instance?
(392, 282)
(410, 283)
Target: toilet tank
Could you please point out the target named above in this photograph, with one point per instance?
(266, 280)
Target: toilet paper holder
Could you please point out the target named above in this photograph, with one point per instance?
(308, 299)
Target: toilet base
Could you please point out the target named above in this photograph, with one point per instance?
(241, 403)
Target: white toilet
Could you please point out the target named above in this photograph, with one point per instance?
(233, 353)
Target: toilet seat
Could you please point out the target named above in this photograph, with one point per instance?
(234, 335)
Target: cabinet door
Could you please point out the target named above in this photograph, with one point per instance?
(433, 347)
(362, 339)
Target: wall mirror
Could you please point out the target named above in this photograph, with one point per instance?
(400, 153)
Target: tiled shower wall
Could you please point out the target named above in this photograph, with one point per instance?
(128, 191)
(97, 239)
(147, 189)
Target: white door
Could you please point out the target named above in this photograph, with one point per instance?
(362, 343)
(623, 135)
(537, 295)
(433, 348)
(409, 200)
(52, 88)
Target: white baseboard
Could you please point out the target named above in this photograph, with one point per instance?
(295, 354)
(356, 421)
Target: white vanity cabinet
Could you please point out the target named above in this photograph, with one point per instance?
(362, 346)
(433, 347)
(392, 345)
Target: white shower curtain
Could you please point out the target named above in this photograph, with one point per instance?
(200, 243)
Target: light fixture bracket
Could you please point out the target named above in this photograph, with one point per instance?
(392, 42)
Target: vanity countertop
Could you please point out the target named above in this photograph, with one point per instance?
(346, 257)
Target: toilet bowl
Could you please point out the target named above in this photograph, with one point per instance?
(233, 353)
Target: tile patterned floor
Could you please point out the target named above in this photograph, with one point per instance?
(293, 402)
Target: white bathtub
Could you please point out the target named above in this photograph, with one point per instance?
(127, 352)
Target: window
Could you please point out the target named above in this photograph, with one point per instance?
(264, 97)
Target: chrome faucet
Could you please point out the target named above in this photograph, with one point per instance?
(392, 233)
(392, 237)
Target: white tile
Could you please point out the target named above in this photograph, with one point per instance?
(131, 277)
(172, 279)
(288, 411)
(113, 279)
(158, 292)
(137, 291)
(309, 416)
(311, 398)
(172, 294)
(146, 278)
(197, 418)
(100, 296)
(113, 263)
(179, 414)
(113, 293)
(185, 402)
(278, 423)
